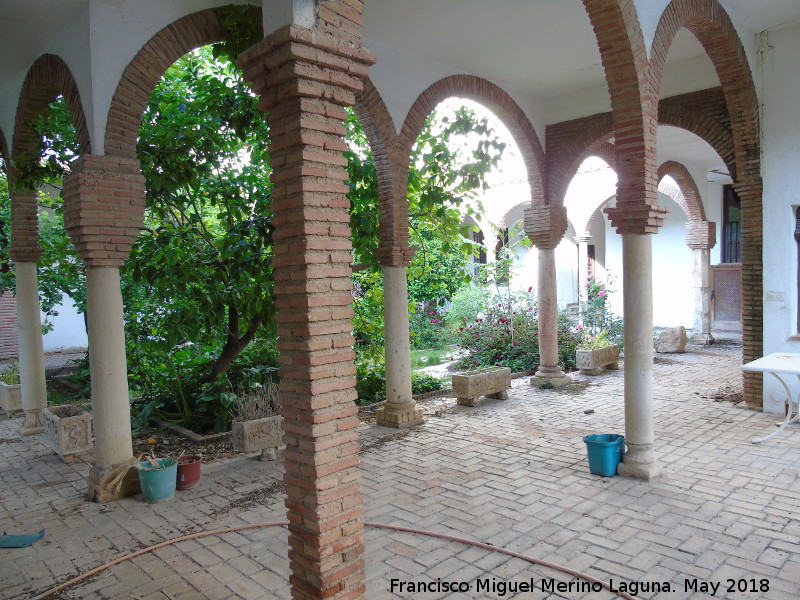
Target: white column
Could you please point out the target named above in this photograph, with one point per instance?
(637, 288)
(400, 409)
(701, 275)
(31, 349)
(547, 305)
(110, 399)
(583, 262)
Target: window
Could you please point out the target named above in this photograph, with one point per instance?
(480, 259)
(731, 226)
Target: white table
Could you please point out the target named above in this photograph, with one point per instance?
(780, 365)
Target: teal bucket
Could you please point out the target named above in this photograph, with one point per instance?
(158, 484)
(605, 452)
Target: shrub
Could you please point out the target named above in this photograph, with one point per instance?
(370, 379)
(422, 383)
(507, 334)
(428, 330)
(11, 375)
(467, 304)
(595, 313)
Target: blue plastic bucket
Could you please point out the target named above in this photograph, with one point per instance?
(605, 452)
(158, 484)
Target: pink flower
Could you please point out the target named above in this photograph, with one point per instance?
(580, 327)
(601, 294)
(530, 289)
(502, 320)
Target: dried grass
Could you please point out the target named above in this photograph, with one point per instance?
(256, 402)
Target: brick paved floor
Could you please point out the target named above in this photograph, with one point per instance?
(509, 473)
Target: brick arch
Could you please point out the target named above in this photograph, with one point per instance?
(595, 213)
(710, 24)
(389, 160)
(48, 77)
(503, 106)
(703, 126)
(634, 113)
(688, 197)
(569, 144)
(145, 71)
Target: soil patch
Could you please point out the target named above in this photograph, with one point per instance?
(725, 393)
(165, 442)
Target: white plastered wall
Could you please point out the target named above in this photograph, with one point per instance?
(673, 287)
(779, 88)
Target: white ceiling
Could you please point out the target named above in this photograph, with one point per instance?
(514, 42)
(539, 49)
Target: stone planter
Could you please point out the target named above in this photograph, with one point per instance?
(11, 398)
(592, 362)
(68, 430)
(265, 435)
(470, 387)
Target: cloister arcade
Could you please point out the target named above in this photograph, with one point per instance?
(634, 65)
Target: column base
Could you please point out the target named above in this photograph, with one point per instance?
(640, 465)
(34, 422)
(703, 339)
(550, 376)
(399, 416)
(107, 483)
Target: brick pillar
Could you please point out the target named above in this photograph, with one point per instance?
(701, 237)
(305, 79)
(635, 221)
(545, 226)
(25, 253)
(103, 213)
(749, 187)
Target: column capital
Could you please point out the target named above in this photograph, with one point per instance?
(104, 200)
(546, 225)
(296, 62)
(636, 217)
(583, 238)
(701, 235)
(24, 227)
(395, 256)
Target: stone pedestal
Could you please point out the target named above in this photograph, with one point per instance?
(637, 285)
(592, 362)
(68, 430)
(400, 409)
(470, 387)
(31, 350)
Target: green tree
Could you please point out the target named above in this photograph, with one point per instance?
(449, 164)
(206, 255)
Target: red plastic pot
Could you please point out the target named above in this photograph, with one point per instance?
(188, 471)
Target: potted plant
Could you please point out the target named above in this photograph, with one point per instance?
(158, 478)
(596, 352)
(68, 430)
(10, 390)
(257, 424)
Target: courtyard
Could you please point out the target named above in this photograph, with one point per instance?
(510, 474)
